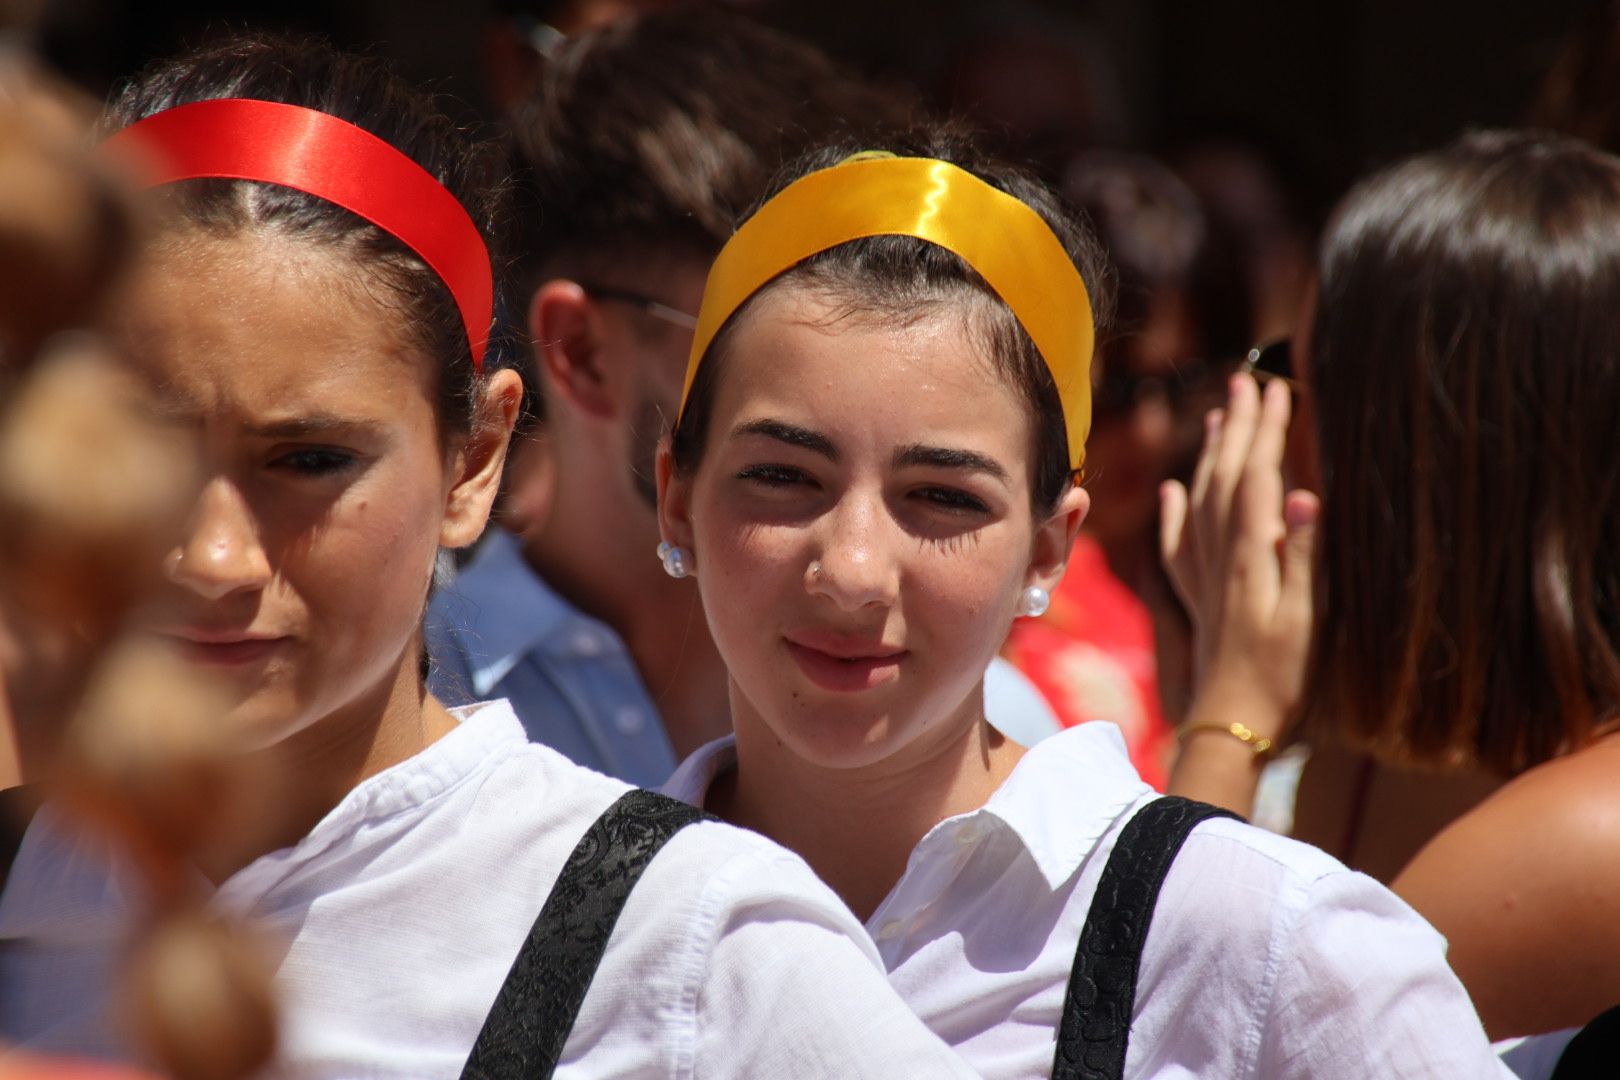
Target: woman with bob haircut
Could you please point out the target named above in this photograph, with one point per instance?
(872, 475)
(316, 305)
(1462, 374)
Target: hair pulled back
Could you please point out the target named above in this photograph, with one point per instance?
(902, 278)
(363, 91)
(1466, 369)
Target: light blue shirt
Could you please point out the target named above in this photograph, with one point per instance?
(498, 631)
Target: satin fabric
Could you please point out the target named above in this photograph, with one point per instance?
(1004, 241)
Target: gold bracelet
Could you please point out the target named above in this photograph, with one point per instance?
(1260, 744)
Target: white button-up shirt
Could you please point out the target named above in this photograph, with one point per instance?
(1265, 957)
(397, 918)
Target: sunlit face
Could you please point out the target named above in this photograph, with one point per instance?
(862, 526)
(305, 566)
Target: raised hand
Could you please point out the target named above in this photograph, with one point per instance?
(1238, 550)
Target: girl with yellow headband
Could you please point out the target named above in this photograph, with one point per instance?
(874, 472)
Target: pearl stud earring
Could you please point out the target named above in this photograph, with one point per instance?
(1033, 602)
(677, 560)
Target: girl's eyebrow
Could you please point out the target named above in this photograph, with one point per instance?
(314, 424)
(945, 457)
(792, 434)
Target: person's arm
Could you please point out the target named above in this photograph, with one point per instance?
(1363, 989)
(1526, 888)
(1238, 550)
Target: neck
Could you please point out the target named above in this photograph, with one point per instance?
(306, 775)
(600, 559)
(857, 827)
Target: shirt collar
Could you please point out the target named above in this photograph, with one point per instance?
(517, 613)
(409, 787)
(690, 783)
(1062, 797)
(1065, 794)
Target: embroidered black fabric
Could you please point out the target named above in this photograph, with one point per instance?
(523, 1035)
(1096, 1026)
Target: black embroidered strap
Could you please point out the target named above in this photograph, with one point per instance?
(523, 1035)
(1097, 1010)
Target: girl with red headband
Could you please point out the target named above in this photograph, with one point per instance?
(439, 896)
(873, 473)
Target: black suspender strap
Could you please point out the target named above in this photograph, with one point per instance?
(1096, 1025)
(523, 1035)
(17, 808)
(1594, 1054)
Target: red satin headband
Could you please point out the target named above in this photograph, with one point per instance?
(332, 159)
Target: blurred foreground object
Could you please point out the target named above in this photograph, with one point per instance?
(93, 492)
(65, 230)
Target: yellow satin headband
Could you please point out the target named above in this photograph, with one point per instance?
(1004, 241)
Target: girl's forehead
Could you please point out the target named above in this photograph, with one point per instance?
(809, 359)
(256, 319)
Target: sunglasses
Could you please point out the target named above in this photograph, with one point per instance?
(1273, 360)
(656, 308)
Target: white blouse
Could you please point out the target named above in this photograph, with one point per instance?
(1265, 958)
(397, 918)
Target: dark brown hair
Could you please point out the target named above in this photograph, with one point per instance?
(650, 136)
(310, 73)
(1466, 373)
(900, 277)
(1158, 238)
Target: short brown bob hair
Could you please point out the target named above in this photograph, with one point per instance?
(1466, 376)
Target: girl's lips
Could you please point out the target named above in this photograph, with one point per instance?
(227, 652)
(845, 675)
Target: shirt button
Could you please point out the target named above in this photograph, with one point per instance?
(629, 720)
(586, 643)
(967, 834)
(890, 930)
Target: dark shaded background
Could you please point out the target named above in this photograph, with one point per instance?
(1323, 90)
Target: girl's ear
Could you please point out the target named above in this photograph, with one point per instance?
(674, 499)
(475, 466)
(1049, 550)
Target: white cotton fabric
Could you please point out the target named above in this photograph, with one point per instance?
(397, 918)
(1265, 957)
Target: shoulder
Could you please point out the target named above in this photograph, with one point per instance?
(528, 789)
(1318, 965)
(1574, 795)
(1526, 887)
(1233, 877)
(1503, 852)
(734, 874)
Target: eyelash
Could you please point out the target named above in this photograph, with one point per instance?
(776, 476)
(949, 500)
(954, 501)
(315, 461)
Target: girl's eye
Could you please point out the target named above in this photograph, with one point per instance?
(775, 476)
(953, 500)
(315, 461)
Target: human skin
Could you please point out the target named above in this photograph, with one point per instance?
(862, 528)
(612, 375)
(329, 488)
